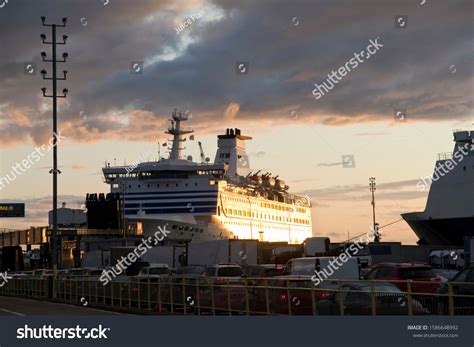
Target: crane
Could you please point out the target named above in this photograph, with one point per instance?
(203, 157)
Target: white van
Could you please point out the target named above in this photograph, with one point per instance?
(320, 269)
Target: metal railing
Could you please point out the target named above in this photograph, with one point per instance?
(250, 296)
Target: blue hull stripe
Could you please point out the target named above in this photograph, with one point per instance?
(178, 204)
(188, 197)
(172, 192)
(173, 210)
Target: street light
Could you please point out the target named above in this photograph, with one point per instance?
(54, 96)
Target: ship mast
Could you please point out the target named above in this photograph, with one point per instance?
(177, 133)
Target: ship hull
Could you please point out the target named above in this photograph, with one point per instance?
(440, 232)
(182, 230)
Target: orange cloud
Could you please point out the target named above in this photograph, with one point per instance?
(20, 118)
(232, 109)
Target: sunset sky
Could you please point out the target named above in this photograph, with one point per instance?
(112, 114)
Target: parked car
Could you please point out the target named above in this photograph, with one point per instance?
(191, 270)
(304, 280)
(462, 283)
(222, 289)
(446, 274)
(42, 273)
(425, 279)
(357, 300)
(155, 270)
(319, 269)
(144, 286)
(224, 273)
(463, 290)
(289, 295)
(263, 270)
(221, 299)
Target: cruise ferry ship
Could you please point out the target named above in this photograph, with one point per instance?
(449, 214)
(219, 200)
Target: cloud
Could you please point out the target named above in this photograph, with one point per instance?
(372, 134)
(196, 69)
(396, 190)
(36, 209)
(20, 119)
(259, 154)
(232, 110)
(330, 164)
(79, 167)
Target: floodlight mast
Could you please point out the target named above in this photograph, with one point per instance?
(373, 188)
(54, 96)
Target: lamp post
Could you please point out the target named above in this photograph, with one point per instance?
(54, 96)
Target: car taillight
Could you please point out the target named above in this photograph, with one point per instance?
(134, 289)
(220, 279)
(283, 297)
(324, 295)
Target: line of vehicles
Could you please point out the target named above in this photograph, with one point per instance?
(272, 288)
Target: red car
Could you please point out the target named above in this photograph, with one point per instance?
(425, 279)
(289, 293)
(226, 300)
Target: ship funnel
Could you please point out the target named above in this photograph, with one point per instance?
(231, 151)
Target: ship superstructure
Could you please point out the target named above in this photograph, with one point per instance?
(449, 214)
(223, 199)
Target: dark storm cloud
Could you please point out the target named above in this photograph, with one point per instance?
(196, 69)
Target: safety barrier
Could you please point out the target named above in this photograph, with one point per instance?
(250, 296)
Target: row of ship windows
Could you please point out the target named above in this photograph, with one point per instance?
(268, 205)
(191, 229)
(248, 224)
(162, 175)
(157, 186)
(265, 216)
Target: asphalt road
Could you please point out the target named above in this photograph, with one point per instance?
(10, 306)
